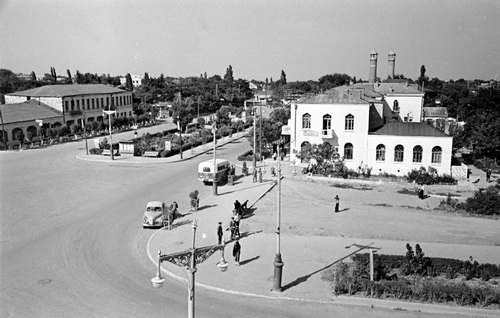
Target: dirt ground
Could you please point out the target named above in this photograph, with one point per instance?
(372, 210)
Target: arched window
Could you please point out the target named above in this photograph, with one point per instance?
(348, 151)
(327, 122)
(417, 154)
(436, 154)
(399, 153)
(395, 106)
(349, 122)
(380, 154)
(306, 121)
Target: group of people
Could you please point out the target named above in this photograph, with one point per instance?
(236, 246)
(257, 173)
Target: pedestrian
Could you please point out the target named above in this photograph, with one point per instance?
(260, 175)
(231, 227)
(254, 175)
(274, 156)
(237, 207)
(337, 201)
(220, 233)
(273, 172)
(488, 175)
(175, 205)
(237, 253)
(421, 192)
(237, 225)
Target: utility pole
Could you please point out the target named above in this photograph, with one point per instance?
(179, 126)
(214, 182)
(254, 139)
(4, 141)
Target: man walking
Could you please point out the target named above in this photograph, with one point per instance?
(220, 233)
(337, 200)
(236, 253)
(488, 175)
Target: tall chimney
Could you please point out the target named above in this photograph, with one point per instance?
(392, 64)
(372, 77)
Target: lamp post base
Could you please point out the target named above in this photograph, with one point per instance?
(214, 188)
(278, 272)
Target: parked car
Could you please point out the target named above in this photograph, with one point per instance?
(156, 214)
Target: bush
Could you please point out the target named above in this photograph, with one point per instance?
(422, 176)
(246, 156)
(484, 202)
(95, 151)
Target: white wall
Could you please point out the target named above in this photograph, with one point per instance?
(407, 104)
(408, 142)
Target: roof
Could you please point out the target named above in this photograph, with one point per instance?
(437, 111)
(409, 129)
(28, 111)
(395, 88)
(337, 95)
(68, 90)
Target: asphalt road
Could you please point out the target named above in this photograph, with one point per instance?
(72, 244)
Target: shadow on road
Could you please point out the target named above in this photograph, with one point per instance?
(249, 260)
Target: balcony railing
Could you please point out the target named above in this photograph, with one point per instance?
(326, 133)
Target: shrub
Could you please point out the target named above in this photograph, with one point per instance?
(484, 202)
(95, 151)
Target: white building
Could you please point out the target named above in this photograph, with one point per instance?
(372, 125)
(137, 80)
(74, 101)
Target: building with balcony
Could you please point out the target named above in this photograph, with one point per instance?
(371, 125)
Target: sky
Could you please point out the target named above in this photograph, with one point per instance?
(306, 39)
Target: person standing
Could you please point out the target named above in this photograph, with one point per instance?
(237, 207)
(337, 202)
(237, 253)
(254, 175)
(231, 227)
(273, 172)
(488, 175)
(220, 233)
(421, 192)
(237, 225)
(260, 175)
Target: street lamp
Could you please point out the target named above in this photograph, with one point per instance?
(254, 140)
(109, 112)
(372, 250)
(214, 180)
(189, 259)
(278, 262)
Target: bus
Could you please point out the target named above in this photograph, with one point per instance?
(206, 170)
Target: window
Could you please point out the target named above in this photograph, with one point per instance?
(107, 101)
(399, 153)
(83, 103)
(78, 104)
(395, 106)
(93, 103)
(306, 121)
(102, 102)
(72, 105)
(66, 105)
(417, 154)
(380, 153)
(327, 122)
(349, 122)
(436, 154)
(348, 151)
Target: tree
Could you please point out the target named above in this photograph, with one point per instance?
(281, 115)
(486, 202)
(33, 76)
(283, 78)
(129, 86)
(69, 80)
(53, 75)
(333, 80)
(146, 78)
(422, 79)
(229, 74)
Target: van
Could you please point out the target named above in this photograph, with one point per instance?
(206, 170)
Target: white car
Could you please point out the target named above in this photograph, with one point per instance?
(156, 214)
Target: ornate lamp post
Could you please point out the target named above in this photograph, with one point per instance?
(189, 259)
(278, 262)
(372, 250)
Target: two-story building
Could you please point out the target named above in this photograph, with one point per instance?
(372, 125)
(75, 101)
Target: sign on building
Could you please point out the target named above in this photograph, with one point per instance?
(311, 133)
(168, 145)
(286, 130)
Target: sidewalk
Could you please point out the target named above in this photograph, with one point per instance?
(304, 257)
